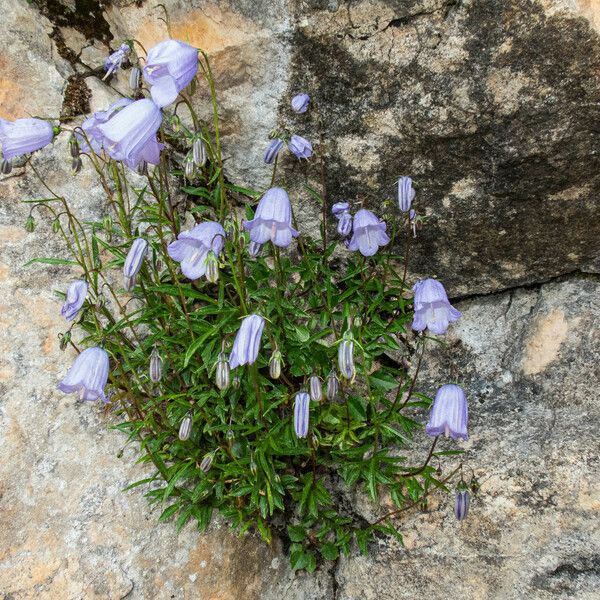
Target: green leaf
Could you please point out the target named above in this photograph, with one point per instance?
(51, 261)
(330, 551)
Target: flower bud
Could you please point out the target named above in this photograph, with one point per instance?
(65, 338)
(301, 414)
(30, 224)
(275, 365)
(5, 166)
(155, 366)
(235, 383)
(56, 225)
(107, 225)
(185, 429)
(333, 385)
(461, 502)
(206, 463)
(189, 168)
(73, 147)
(254, 249)
(76, 165)
(253, 468)
(230, 435)
(223, 375)
(199, 152)
(175, 123)
(346, 357)
(134, 79)
(212, 267)
(142, 168)
(316, 390)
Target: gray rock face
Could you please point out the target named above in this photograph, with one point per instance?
(492, 108)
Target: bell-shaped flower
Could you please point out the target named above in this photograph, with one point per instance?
(341, 211)
(87, 375)
(247, 341)
(75, 298)
(406, 193)
(130, 135)
(135, 259)
(273, 219)
(300, 147)
(273, 150)
(114, 61)
(192, 247)
(23, 136)
(433, 310)
(90, 127)
(368, 233)
(449, 414)
(301, 414)
(170, 67)
(300, 103)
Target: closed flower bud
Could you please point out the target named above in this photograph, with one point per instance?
(223, 374)
(253, 468)
(185, 429)
(5, 167)
(189, 168)
(316, 390)
(175, 123)
(254, 249)
(346, 357)
(275, 365)
(65, 339)
(56, 225)
(272, 151)
(134, 79)
(300, 103)
(236, 382)
(156, 364)
(76, 294)
(199, 152)
(76, 165)
(142, 168)
(206, 463)
(301, 414)
(462, 502)
(73, 147)
(30, 224)
(230, 435)
(107, 225)
(212, 267)
(247, 341)
(406, 193)
(134, 261)
(333, 385)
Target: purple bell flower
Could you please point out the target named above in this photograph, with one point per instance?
(300, 147)
(273, 219)
(134, 261)
(273, 150)
(406, 193)
(130, 135)
(301, 414)
(23, 136)
(90, 126)
(75, 298)
(339, 208)
(170, 67)
(192, 247)
(433, 310)
(247, 341)
(462, 502)
(300, 103)
(113, 62)
(449, 414)
(87, 375)
(369, 233)
(341, 212)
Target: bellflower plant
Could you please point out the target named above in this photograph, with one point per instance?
(23, 136)
(170, 67)
(433, 310)
(231, 331)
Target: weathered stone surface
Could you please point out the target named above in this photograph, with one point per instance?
(492, 107)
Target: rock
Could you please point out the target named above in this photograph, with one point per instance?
(492, 108)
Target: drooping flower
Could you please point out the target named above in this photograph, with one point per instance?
(212, 267)
(406, 193)
(155, 366)
(275, 365)
(206, 462)
(301, 414)
(273, 150)
(199, 151)
(300, 147)
(369, 233)
(333, 385)
(130, 135)
(75, 298)
(222, 377)
(316, 390)
(87, 375)
(192, 247)
(300, 103)
(433, 310)
(273, 219)
(247, 341)
(23, 136)
(461, 502)
(134, 261)
(449, 414)
(134, 79)
(254, 249)
(185, 428)
(346, 356)
(341, 211)
(170, 67)
(114, 61)
(90, 127)
(339, 208)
